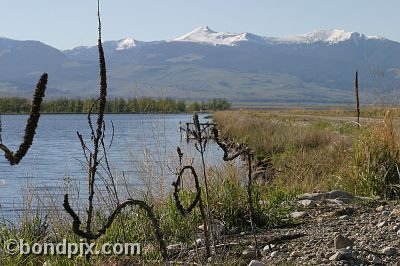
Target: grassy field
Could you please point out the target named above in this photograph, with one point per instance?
(322, 149)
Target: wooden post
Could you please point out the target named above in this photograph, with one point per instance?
(187, 132)
(180, 129)
(357, 99)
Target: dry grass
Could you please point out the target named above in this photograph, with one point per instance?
(374, 168)
(322, 149)
(307, 154)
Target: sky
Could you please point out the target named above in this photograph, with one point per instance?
(67, 24)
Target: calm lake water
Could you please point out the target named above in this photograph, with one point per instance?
(144, 145)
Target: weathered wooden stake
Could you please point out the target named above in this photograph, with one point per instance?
(357, 99)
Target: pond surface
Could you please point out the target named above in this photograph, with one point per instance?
(143, 150)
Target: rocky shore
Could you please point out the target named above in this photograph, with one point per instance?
(337, 229)
(331, 228)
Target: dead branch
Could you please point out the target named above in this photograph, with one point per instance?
(129, 202)
(184, 211)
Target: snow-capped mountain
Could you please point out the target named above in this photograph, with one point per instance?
(321, 36)
(87, 52)
(205, 35)
(314, 67)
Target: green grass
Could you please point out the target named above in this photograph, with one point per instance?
(227, 186)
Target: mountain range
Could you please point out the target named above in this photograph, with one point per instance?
(316, 67)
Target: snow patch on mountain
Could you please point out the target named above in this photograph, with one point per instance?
(128, 43)
(325, 36)
(205, 35)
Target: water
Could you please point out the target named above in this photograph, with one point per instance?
(143, 145)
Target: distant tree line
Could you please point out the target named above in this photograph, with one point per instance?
(116, 105)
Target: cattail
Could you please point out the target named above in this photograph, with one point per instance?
(31, 125)
(33, 119)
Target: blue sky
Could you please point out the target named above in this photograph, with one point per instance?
(66, 24)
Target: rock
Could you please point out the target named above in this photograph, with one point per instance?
(335, 257)
(256, 263)
(380, 208)
(398, 233)
(267, 249)
(377, 260)
(382, 224)
(385, 213)
(306, 203)
(248, 254)
(341, 195)
(335, 194)
(198, 241)
(341, 255)
(297, 215)
(343, 211)
(329, 254)
(346, 254)
(335, 202)
(295, 254)
(312, 196)
(275, 254)
(344, 217)
(395, 212)
(341, 241)
(390, 251)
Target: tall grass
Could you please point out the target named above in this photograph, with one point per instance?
(306, 154)
(374, 169)
(316, 153)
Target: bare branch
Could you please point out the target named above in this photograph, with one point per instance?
(129, 202)
(177, 183)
